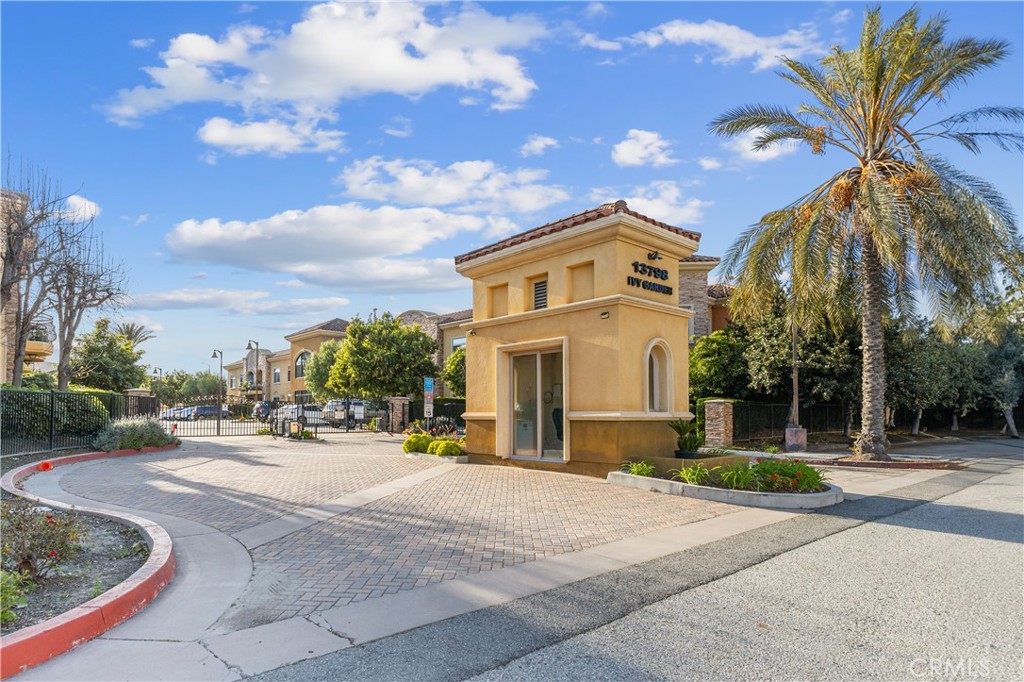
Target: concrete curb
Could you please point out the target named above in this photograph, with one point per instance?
(37, 643)
(460, 459)
(748, 498)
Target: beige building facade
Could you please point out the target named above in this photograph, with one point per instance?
(577, 350)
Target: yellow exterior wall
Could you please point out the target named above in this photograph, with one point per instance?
(605, 328)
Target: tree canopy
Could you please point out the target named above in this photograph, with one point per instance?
(105, 360)
(899, 221)
(381, 357)
(318, 371)
(454, 372)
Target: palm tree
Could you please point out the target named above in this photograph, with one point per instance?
(133, 333)
(899, 221)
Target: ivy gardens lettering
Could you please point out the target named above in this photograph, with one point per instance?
(649, 271)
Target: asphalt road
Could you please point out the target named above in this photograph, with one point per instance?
(923, 583)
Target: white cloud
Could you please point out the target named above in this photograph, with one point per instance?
(709, 163)
(642, 148)
(400, 126)
(731, 44)
(594, 9)
(338, 51)
(233, 301)
(591, 40)
(145, 320)
(209, 158)
(336, 245)
(141, 43)
(743, 144)
(466, 185)
(199, 275)
(536, 145)
(292, 283)
(272, 137)
(662, 200)
(842, 16)
(141, 219)
(81, 209)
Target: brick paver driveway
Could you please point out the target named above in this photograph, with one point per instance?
(465, 520)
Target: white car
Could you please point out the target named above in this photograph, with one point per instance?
(307, 415)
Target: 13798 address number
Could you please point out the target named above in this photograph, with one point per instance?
(649, 270)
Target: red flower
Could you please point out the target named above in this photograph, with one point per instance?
(758, 459)
(45, 466)
(49, 516)
(795, 482)
(53, 553)
(799, 474)
(796, 460)
(774, 476)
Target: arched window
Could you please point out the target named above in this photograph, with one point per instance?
(658, 377)
(300, 364)
(250, 378)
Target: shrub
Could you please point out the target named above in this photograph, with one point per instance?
(788, 475)
(133, 433)
(417, 442)
(40, 381)
(690, 436)
(432, 448)
(698, 474)
(13, 587)
(640, 468)
(264, 432)
(447, 448)
(37, 540)
(739, 476)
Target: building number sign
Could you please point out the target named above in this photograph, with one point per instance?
(649, 271)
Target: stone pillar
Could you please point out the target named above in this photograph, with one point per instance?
(718, 423)
(398, 410)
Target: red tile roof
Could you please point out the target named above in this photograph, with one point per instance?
(457, 316)
(695, 258)
(572, 221)
(720, 290)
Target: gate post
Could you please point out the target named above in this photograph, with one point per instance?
(718, 423)
(397, 407)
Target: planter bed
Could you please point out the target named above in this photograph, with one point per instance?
(832, 495)
(461, 459)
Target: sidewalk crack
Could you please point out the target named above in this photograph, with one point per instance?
(322, 623)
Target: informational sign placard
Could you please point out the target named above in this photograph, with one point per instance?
(358, 412)
(428, 410)
(428, 392)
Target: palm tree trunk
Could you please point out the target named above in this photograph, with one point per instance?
(871, 443)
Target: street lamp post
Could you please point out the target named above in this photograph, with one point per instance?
(220, 386)
(158, 375)
(257, 375)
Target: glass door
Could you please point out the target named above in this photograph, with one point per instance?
(538, 405)
(524, 405)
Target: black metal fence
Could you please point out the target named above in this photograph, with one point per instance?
(755, 421)
(43, 421)
(447, 413)
(240, 417)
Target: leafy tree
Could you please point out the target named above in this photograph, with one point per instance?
(105, 360)
(134, 333)
(202, 385)
(1003, 323)
(168, 388)
(318, 370)
(965, 365)
(454, 372)
(898, 220)
(382, 357)
(718, 367)
(914, 359)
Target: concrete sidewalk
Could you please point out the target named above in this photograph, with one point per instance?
(207, 624)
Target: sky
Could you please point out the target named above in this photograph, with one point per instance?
(260, 167)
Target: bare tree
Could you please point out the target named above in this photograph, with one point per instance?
(83, 279)
(36, 225)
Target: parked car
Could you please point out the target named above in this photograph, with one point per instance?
(307, 415)
(210, 412)
(171, 414)
(351, 412)
(184, 413)
(261, 411)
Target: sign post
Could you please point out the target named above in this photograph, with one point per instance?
(428, 399)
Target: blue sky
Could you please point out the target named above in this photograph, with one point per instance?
(261, 167)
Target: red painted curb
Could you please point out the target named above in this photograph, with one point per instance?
(37, 643)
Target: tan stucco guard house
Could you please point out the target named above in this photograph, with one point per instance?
(577, 352)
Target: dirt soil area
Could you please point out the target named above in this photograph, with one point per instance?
(110, 553)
